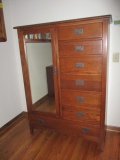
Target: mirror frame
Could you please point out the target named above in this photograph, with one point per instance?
(21, 38)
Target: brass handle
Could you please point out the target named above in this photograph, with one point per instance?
(79, 82)
(79, 99)
(41, 121)
(78, 31)
(86, 130)
(80, 114)
(79, 64)
(79, 48)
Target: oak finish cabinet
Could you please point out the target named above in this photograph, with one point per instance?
(79, 54)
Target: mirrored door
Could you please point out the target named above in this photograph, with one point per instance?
(40, 63)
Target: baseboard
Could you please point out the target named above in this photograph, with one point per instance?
(112, 128)
(4, 128)
(40, 101)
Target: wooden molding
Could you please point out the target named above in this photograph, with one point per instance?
(37, 40)
(40, 101)
(12, 122)
(112, 128)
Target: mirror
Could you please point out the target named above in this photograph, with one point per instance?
(40, 66)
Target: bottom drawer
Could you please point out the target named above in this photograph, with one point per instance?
(84, 130)
(78, 128)
(43, 121)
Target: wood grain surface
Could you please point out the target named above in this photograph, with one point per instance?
(79, 52)
(46, 144)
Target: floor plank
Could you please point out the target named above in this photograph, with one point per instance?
(46, 144)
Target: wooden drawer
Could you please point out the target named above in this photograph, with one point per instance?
(87, 115)
(83, 129)
(43, 121)
(89, 30)
(78, 48)
(81, 99)
(81, 82)
(83, 65)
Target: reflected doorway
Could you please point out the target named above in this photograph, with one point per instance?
(40, 67)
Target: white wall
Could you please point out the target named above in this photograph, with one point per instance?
(113, 99)
(38, 11)
(39, 55)
(10, 98)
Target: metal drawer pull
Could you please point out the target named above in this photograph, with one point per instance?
(79, 99)
(79, 64)
(80, 114)
(78, 31)
(79, 82)
(86, 130)
(79, 48)
(41, 121)
(54, 70)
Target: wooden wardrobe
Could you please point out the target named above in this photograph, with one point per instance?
(79, 60)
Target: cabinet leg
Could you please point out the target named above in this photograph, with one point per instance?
(100, 146)
(31, 130)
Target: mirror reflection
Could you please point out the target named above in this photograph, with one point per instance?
(40, 66)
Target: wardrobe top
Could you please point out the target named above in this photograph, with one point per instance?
(60, 23)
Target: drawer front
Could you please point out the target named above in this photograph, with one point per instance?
(81, 99)
(90, 30)
(81, 114)
(80, 48)
(81, 82)
(80, 128)
(83, 65)
(43, 121)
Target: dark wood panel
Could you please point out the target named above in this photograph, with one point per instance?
(90, 30)
(78, 48)
(91, 82)
(91, 65)
(50, 80)
(81, 99)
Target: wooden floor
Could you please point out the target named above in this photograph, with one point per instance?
(16, 143)
(47, 105)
